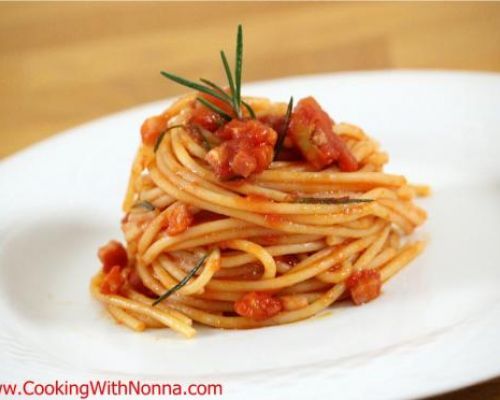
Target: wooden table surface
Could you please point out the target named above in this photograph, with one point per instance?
(62, 64)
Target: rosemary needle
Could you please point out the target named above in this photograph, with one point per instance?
(183, 282)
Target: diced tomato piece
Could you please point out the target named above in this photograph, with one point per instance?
(364, 285)
(205, 117)
(178, 218)
(243, 163)
(258, 306)
(136, 283)
(311, 131)
(248, 149)
(113, 281)
(254, 131)
(112, 254)
(152, 128)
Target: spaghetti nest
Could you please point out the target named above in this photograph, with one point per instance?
(275, 247)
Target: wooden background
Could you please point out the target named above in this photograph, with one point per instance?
(65, 63)
(62, 64)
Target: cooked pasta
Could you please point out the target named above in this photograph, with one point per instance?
(250, 214)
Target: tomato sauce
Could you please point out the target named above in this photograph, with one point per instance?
(178, 219)
(364, 286)
(152, 128)
(274, 219)
(248, 149)
(207, 118)
(111, 254)
(258, 306)
(311, 130)
(113, 281)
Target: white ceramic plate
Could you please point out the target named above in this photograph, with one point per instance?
(436, 327)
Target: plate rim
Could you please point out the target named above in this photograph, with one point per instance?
(341, 74)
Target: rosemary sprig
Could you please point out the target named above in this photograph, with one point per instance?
(238, 67)
(160, 138)
(144, 204)
(233, 99)
(183, 282)
(331, 200)
(282, 134)
(250, 110)
(215, 108)
(230, 80)
(216, 87)
(194, 85)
